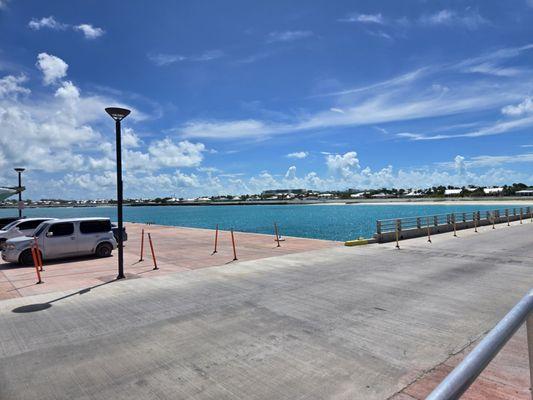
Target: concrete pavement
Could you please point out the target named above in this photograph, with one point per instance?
(177, 249)
(337, 323)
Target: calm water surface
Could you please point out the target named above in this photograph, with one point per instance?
(333, 222)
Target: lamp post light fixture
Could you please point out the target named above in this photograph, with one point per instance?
(118, 114)
(19, 172)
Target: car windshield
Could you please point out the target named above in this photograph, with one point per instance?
(10, 225)
(39, 229)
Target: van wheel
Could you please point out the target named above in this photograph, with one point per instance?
(2, 243)
(26, 257)
(103, 250)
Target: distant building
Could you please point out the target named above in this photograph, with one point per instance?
(382, 196)
(493, 191)
(452, 192)
(284, 192)
(525, 192)
(358, 195)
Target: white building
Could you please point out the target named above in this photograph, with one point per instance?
(493, 191)
(452, 192)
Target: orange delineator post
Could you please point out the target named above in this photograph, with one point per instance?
(429, 231)
(36, 264)
(277, 236)
(142, 245)
(233, 243)
(216, 240)
(152, 249)
(38, 254)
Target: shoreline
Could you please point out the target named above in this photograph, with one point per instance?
(508, 201)
(336, 202)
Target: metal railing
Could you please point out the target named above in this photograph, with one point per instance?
(460, 379)
(438, 220)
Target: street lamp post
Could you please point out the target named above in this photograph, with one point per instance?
(118, 114)
(19, 172)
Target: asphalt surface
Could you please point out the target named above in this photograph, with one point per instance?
(338, 323)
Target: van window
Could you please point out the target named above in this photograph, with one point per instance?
(62, 229)
(29, 224)
(11, 225)
(95, 226)
(39, 230)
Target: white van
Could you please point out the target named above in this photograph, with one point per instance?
(62, 238)
(20, 227)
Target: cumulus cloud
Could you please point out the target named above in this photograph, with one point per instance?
(460, 167)
(344, 164)
(183, 154)
(10, 85)
(89, 31)
(291, 173)
(52, 67)
(68, 91)
(130, 138)
(46, 22)
(298, 154)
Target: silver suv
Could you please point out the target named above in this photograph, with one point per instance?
(62, 238)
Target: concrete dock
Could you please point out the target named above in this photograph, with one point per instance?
(369, 322)
(177, 249)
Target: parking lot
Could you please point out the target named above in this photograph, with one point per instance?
(177, 249)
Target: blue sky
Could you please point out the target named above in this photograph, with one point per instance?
(239, 96)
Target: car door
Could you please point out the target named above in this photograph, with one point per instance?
(60, 240)
(91, 233)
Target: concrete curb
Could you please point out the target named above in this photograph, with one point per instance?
(359, 242)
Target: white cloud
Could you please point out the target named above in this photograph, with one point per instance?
(411, 96)
(345, 164)
(11, 85)
(460, 166)
(525, 107)
(365, 18)
(496, 128)
(288, 36)
(46, 22)
(162, 59)
(3, 4)
(298, 154)
(291, 173)
(183, 154)
(52, 67)
(470, 19)
(68, 91)
(130, 139)
(89, 31)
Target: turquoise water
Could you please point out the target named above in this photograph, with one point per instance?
(333, 222)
